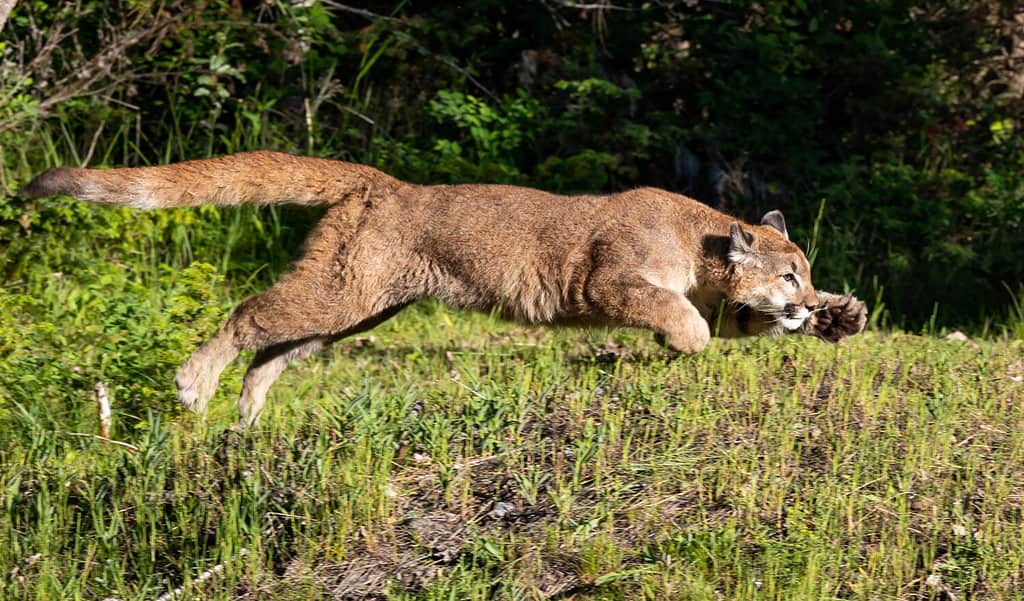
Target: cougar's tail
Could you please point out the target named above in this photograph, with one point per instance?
(260, 177)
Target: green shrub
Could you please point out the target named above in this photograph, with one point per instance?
(903, 118)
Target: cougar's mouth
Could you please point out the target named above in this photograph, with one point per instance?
(793, 316)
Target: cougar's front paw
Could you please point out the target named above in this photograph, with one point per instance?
(690, 338)
(838, 316)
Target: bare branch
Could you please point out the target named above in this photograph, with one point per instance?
(102, 396)
(332, 5)
(119, 443)
(447, 61)
(597, 6)
(79, 74)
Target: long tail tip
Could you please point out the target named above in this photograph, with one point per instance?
(59, 180)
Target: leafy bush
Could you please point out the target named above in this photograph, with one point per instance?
(903, 117)
(109, 324)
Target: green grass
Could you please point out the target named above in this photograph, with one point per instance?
(453, 456)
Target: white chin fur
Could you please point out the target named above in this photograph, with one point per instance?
(791, 323)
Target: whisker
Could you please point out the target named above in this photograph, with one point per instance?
(738, 306)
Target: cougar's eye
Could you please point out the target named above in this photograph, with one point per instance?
(789, 277)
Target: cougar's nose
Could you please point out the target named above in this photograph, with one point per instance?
(811, 302)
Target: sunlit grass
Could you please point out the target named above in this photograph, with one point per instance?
(454, 456)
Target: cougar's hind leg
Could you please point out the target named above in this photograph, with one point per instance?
(265, 369)
(272, 361)
(260, 322)
(285, 322)
(340, 286)
(197, 379)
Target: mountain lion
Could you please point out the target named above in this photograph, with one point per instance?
(644, 258)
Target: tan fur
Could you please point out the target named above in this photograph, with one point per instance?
(644, 258)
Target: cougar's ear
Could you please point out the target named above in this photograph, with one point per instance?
(740, 250)
(775, 219)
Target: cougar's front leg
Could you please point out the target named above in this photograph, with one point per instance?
(685, 331)
(630, 300)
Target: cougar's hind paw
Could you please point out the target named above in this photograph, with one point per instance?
(196, 386)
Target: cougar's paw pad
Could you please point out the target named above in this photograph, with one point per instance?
(840, 316)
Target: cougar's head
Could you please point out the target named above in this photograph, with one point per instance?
(768, 273)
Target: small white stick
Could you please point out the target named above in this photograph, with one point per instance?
(207, 575)
(103, 402)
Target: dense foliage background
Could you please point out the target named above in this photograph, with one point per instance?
(464, 458)
(886, 131)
